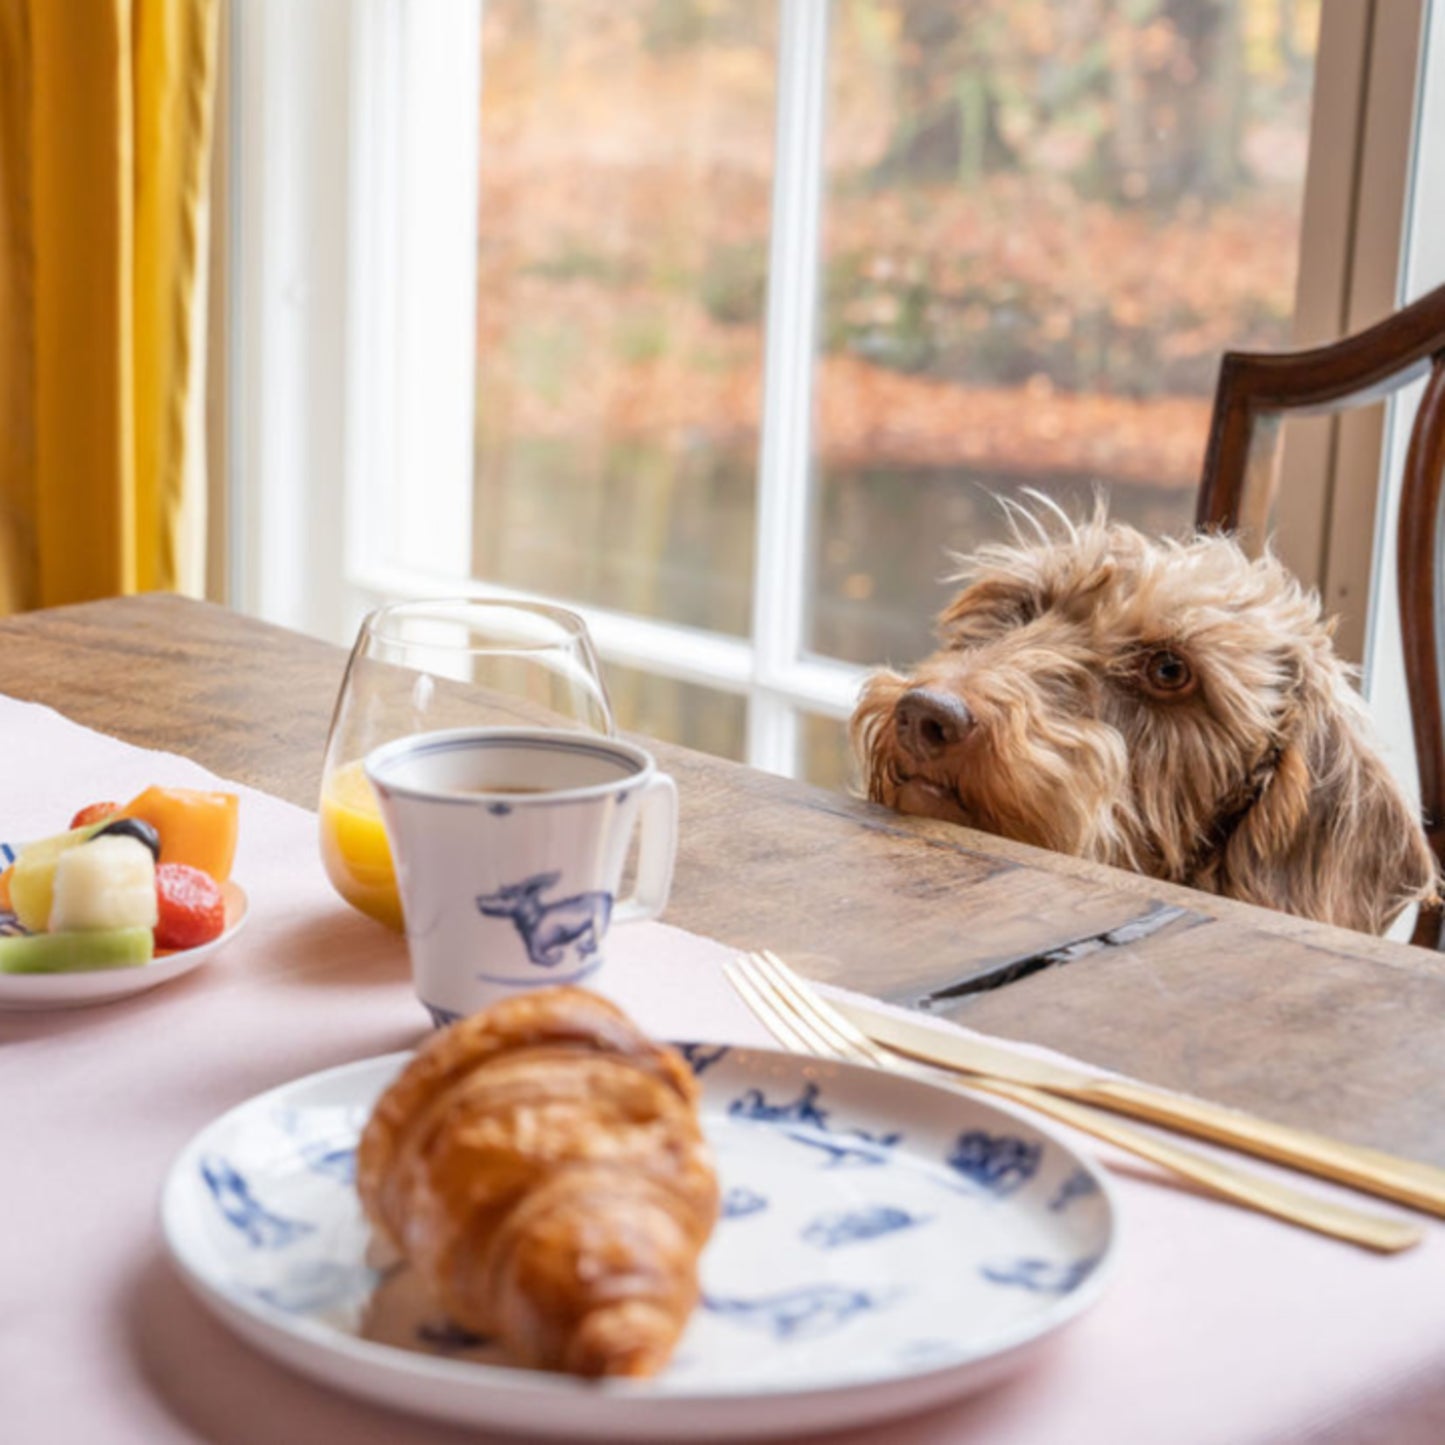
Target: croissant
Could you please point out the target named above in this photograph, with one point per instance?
(541, 1166)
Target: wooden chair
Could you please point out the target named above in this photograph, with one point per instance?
(1258, 388)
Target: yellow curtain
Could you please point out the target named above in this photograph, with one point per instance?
(105, 123)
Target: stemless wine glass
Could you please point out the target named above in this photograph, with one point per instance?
(420, 666)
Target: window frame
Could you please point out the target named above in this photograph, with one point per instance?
(323, 260)
(1350, 275)
(1422, 268)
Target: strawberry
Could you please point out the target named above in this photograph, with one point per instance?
(191, 908)
(93, 813)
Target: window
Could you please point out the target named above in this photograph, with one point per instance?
(720, 319)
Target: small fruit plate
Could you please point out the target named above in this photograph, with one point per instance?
(81, 987)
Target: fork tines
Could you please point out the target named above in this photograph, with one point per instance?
(796, 1014)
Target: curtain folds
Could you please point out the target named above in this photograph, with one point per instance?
(105, 123)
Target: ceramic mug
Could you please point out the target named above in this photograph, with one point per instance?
(509, 846)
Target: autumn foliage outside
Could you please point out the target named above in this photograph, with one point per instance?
(1044, 221)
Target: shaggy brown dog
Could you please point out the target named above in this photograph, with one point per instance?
(1171, 707)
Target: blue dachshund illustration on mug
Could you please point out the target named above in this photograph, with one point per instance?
(551, 930)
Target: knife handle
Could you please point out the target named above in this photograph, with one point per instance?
(1421, 1186)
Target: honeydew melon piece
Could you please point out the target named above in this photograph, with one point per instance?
(108, 884)
(32, 877)
(76, 952)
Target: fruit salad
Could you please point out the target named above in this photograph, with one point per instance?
(122, 884)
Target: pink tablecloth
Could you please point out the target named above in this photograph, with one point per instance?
(1221, 1326)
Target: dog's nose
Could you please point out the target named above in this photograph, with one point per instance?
(928, 723)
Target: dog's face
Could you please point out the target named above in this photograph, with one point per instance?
(1174, 708)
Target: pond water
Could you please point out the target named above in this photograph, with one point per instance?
(669, 534)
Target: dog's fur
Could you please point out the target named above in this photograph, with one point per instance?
(1054, 713)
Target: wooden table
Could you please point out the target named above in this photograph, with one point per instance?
(1316, 1026)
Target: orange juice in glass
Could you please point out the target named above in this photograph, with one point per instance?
(424, 666)
(354, 847)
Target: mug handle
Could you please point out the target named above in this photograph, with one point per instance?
(656, 852)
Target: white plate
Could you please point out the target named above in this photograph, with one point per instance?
(23, 991)
(885, 1246)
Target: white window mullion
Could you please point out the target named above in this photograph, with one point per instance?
(289, 308)
(785, 459)
(416, 162)
(437, 326)
(373, 282)
(828, 686)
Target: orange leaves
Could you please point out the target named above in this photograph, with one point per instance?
(1014, 323)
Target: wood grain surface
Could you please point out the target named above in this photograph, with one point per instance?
(1312, 1025)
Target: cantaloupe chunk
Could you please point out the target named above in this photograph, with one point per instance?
(195, 826)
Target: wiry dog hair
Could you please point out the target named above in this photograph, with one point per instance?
(1173, 707)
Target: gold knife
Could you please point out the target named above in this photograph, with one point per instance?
(1422, 1186)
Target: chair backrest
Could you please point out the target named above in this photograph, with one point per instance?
(1257, 389)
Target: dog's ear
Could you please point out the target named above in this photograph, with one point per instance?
(1331, 835)
(985, 608)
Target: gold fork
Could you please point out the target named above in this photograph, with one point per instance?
(803, 1021)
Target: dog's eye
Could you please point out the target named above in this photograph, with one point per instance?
(1166, 674)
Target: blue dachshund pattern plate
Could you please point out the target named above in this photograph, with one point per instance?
(883, 1245)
